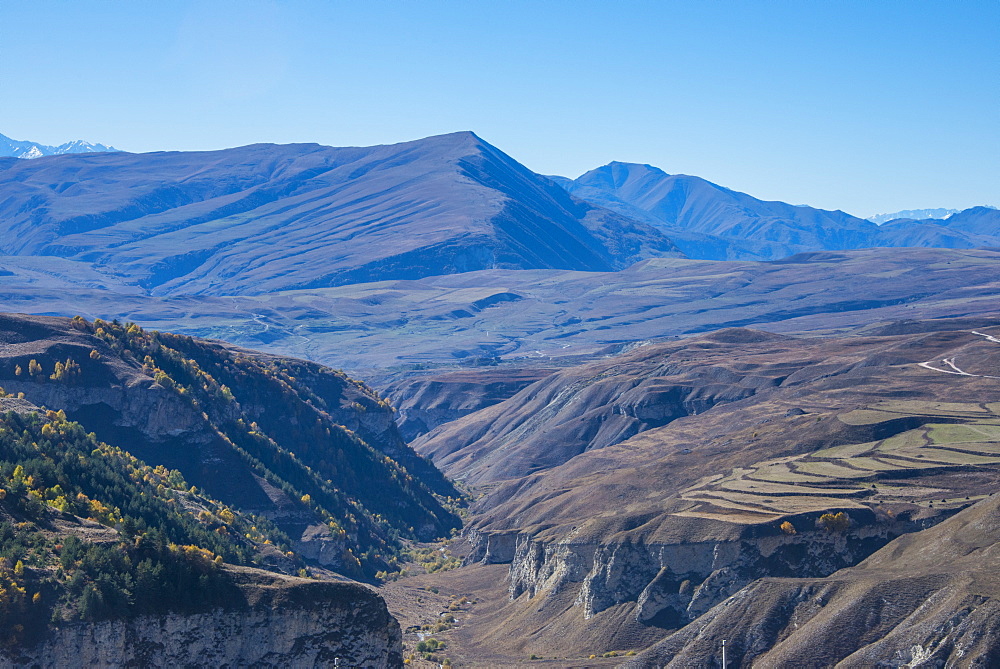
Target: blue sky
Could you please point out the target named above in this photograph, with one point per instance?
(862, 106)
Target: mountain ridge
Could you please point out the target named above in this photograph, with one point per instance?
(713, 222)
(27, 150)
(266, 217)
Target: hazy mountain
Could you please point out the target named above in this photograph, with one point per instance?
(975, 227)
(12, 148)
(712, 222)
(914, 214)
(265, 217)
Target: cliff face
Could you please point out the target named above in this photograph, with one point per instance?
(671, 584)
(284, 622)
(928, 599)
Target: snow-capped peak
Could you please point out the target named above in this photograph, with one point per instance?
(12, 148)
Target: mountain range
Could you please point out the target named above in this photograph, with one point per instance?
(915, 214)
(709, 221)
(645, 413)
(12, 148)
(264, 218)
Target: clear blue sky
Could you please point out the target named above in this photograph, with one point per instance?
(864, 106)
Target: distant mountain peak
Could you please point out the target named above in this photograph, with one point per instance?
(913, 214)
(26, 150)
(617, 174)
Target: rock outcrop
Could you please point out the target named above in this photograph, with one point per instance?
(928, 599)
(283, 622)
(672, 584)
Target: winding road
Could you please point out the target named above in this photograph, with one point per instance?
(950, 362)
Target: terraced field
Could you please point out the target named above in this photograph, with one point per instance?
(920, 467)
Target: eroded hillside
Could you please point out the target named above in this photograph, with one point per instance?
(927, 599)
(625, 498)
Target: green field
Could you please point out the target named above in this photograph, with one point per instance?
(953, 434)
(832, 470)
(908, 439)
(846, 451)
(763, 488)
(953, 457)
(824, 478)
(780, 473)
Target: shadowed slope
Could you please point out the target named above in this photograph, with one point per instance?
(266, 217)
(301, 444)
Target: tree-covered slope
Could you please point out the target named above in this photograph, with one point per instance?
(106, 561)
(312, 450)
(88, 532)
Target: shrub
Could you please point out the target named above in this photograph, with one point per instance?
(787, 527)
(835, 522)
(430, 645)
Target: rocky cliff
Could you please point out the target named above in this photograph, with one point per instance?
(671, 584)
(928, 599)
(281, 622)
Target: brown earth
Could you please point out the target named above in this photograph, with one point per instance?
(587, 539)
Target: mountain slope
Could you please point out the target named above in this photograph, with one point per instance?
(304, 446)
(94, 542)
(711, 222)
(631, 494)
(718, 223)
(12, 148)
(263, 218)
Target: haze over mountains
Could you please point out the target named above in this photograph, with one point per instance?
(915, 214)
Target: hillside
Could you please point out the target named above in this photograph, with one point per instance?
(927, 599)
(622, 499)
(523, 315)
(425, 401)
(311, 450)
(263, 218)
(94, 541)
